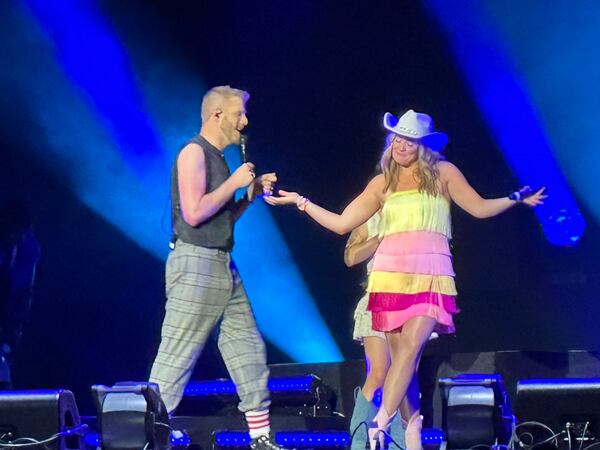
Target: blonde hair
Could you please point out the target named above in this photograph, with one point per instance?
(216, 97)
(427, 171)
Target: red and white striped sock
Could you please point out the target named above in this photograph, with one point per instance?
(258, 423)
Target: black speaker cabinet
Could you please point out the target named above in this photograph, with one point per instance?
(571, 405)
(39, 415)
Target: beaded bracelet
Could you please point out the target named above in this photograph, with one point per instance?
(521, 194)
(515, 196)
(302, 203)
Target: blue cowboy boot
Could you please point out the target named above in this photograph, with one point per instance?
(364, 411)
(397, 433)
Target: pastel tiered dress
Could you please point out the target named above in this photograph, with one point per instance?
(412, 273)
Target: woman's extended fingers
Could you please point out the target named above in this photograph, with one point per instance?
(277, 201)
(284, 198)
(537, 198)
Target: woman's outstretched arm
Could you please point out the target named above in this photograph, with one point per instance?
(356, 213)
(463, 194)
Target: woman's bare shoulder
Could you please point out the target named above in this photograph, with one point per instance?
(378, 181)
(445, 166)
(376, 187)
(447, 169)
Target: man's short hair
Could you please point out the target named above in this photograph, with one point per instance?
(216, 98)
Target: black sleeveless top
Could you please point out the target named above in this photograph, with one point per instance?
(217, 231)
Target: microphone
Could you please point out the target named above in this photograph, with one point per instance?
(243, 140)
(244, 157)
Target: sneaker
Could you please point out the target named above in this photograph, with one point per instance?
(264, 443)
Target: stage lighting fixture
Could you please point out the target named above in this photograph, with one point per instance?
(475, 411)
(310, 439)
(567, 408)
(279, 385)
(432, 437)
(306, 394)
(48, 417)
(131, 415)
(295, 439)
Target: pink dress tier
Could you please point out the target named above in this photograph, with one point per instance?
(412, 272)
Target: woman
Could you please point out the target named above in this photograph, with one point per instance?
(361, 246)
(411, 287)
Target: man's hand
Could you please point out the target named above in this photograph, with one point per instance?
(243, 176)
(262, 185)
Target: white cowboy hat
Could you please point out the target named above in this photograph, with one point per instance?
(417, 126)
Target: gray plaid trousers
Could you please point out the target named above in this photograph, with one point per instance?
(204, 288)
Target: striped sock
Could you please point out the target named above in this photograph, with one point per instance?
(258, 423)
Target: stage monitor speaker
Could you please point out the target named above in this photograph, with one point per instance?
(26, 415)
(132, 416)
(569, 407)
(475, 411)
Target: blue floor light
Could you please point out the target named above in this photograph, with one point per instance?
(296, 439)
(224, 387)
(312, 439)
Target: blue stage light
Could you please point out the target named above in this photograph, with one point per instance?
(312, 439)
(215, 387)
(302, 383)
(297, 439)
(232, 439)
(553, 50)
(513, 119)
(432, 436)
(110, 149)
(565, 227)
(93, 58)
(286, 312)
(81, 144)
(179, 439)
(92, 440)
(224, 386)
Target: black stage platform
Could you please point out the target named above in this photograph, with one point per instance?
(202, 423)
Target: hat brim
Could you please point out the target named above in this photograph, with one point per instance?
(435, 141)
(389, 121)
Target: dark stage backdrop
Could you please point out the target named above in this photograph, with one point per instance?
(321, 74)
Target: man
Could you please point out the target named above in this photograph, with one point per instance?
(203, 286)
(19, 257)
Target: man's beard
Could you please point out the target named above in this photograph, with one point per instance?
(230, 132)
